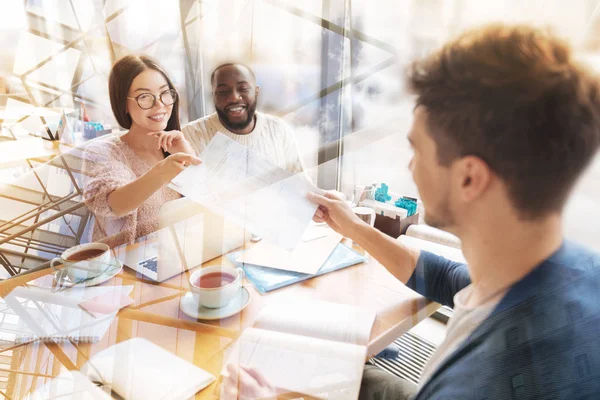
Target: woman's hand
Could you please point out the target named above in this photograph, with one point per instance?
(172, 142)
(132, 195)
(171, 166)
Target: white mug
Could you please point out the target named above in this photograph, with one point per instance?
(219, 291)
(79, 269)
(366, 214)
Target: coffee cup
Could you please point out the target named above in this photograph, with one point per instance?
(215, 287)
(83, 261)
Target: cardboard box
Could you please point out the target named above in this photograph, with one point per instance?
(395, 227)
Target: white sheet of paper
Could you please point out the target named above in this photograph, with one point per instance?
(250, 191)
(317, 245)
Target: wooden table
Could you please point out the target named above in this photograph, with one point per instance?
(156, 316)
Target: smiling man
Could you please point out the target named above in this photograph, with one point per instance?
(235, 96)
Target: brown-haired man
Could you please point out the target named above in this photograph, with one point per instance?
(505, 124)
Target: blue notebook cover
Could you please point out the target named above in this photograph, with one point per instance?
(266, 279)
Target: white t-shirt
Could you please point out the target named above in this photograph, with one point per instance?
(272, 138)
(460, 326)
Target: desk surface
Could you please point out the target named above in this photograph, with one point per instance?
(156, 316)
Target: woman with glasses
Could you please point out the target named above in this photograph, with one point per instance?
(126, 176)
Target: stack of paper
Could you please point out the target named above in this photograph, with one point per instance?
(266, 279)
(317, 245)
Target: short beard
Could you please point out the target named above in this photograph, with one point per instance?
(443, 219)
(242, 125)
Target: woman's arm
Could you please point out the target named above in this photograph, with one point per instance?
(132, 195)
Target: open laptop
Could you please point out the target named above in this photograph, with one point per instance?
(189, 235)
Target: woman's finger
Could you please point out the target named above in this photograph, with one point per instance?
(179, 157)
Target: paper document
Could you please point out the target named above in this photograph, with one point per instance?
(317, 245)
(250, 191)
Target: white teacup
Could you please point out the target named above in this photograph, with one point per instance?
(215, 287)
(83, 261)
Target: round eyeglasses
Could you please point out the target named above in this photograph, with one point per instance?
(147, 100)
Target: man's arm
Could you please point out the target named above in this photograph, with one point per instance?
(428, 274)
(400, 260)
(432, 276)
(438, 278)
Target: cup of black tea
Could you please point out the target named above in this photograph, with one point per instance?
(215, 287)
(83, 261)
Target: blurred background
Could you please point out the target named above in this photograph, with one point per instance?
(332, 69)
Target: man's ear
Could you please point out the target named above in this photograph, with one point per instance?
(475, 176)
(257, 90)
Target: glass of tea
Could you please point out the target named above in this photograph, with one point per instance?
(83, 261)
(215, 287)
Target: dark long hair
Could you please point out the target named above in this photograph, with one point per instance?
(122, 74)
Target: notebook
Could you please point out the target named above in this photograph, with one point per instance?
(266, 279)
(30, 313)
(314, 348)
(138, 369)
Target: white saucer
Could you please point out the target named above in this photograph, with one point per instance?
(191, 308)
(61, 278)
